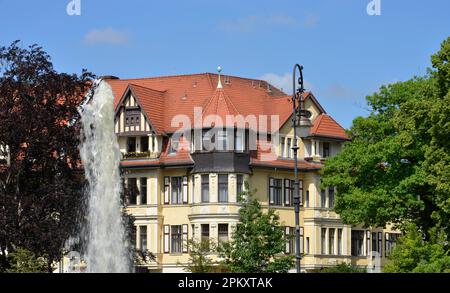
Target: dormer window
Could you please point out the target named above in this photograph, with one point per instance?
(222, 140)
(174, 143)
(207, 140)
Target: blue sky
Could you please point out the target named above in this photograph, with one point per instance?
(347, 54)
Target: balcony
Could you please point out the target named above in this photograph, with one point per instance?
(139, 155)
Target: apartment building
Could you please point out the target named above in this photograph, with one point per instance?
(181, 188)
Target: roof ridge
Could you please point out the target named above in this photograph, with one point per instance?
(161, 76)
(228, 99)
(209, 74)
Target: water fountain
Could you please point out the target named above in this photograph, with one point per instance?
(106, 246)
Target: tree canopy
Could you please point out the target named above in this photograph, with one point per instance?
(396, 169)
(40, 191)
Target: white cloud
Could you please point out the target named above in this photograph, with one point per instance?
(283, 82)
(106, 36)
(340, 91)
(310, 20)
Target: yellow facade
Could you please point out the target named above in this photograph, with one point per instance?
(326, 240)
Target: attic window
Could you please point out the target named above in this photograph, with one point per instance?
(227, 79)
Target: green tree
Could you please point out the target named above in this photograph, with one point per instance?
(396, 169)
(258, 242)
(413, 254)
(200, 259)
(25, 261)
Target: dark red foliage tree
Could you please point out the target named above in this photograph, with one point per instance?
(41, 188)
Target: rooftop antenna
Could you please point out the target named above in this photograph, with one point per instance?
(219, 70)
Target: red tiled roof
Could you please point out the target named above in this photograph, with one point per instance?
(162, 98)
(181, 157)
(152, 101)
(180, 94)
(326, 126)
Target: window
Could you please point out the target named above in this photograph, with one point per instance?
(307, 199)
(131, 144)
(205, 188)
(289, 235)
(174, 143)
(302, 240)
(390, 241)
(326, 149)
(143, 234)
(331, 241)
(282, 147)
(208, 140)
(153, 142)
(288, 192)
(223, 188)
(132, 191)
(222, 140)
(166, 241)
(239, 140)
(166, 190)
(175, 239)
(132, 117)
(289, 150)
(323, 198)
(144, 144)
(331, 197)
(377, 242)
(357, 243)
(239, 184)
(275, 197)
(133, 236)
(205, 234)
(307, 245)
(143, 190)
(323, 236)
(374, 241)
(368, 243)
(380, 243)
(176, 190)
(223, 233)
(339, 242)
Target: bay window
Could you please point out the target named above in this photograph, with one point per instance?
(205, 188)
(223, 188)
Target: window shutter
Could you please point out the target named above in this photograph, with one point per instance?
(300, 191)
(271, 191)
(166, 238)
(287, 192)
(288, 241)
(185, 238)
(166, 189)
(185, 189)
(301, 240)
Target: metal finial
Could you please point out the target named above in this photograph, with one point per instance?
(219, 70)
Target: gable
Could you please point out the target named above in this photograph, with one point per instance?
(130, 118)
